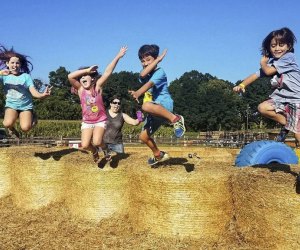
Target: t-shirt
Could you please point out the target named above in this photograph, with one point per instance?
(289, 75)
(113, 132)
(160, 91)
(93, 110)
(16, 89)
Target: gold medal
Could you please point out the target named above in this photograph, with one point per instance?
(94, 109)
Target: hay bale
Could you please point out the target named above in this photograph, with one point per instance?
(172, 202)
(93, 193)
(207, 154)
(36, 182)
(5, 180)
(266, 208)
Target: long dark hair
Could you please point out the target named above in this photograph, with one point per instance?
(6, 54)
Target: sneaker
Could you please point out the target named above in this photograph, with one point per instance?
(34, 120)
(154, 160)
(179, 128)
(282, 135)
(12, 132)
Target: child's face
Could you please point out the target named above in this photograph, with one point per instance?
(86, 81)
(278, 49)
(147, 60)
(14, 65)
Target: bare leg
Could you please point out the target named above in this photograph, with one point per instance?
(25, 120)
(158, 110)
(9, 121)
(267, 110)
(10, 118)
(145, 138)
(86, 137)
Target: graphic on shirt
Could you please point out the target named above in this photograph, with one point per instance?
(91, 104)
(147, 97)
(15, 91)
(276, 81)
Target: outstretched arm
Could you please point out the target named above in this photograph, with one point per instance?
(140, 91)
(130, 120)
(153, 65)
(242, 86)
(72, 77)
(39, 95)
(110, 67)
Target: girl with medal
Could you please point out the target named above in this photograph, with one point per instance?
(88, 83)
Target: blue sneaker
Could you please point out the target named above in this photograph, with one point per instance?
(179, 128)
(282, 134)
(154, 160)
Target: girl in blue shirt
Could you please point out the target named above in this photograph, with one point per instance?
(18, 89)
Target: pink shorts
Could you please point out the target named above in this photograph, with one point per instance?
(292, 113)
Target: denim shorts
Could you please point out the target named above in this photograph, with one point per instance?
(118, 148)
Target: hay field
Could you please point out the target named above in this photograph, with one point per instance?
(57, 198)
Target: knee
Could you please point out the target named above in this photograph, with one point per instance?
(146, 106)
(261, 108)
(7, 124)
(85, 145)
(25, 128)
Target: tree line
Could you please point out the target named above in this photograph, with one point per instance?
(206, 102)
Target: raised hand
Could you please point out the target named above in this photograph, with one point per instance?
(122, 51)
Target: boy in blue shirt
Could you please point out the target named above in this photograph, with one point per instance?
(158, 102)
(278, 61)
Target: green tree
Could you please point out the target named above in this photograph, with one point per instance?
(255, 94)
(62, 104)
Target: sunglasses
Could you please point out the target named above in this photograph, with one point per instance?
(118, 103)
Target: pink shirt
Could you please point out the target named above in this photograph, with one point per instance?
(93, 109)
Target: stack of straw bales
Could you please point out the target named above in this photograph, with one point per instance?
(254, 207)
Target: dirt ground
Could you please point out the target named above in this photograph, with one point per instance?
(262, 203)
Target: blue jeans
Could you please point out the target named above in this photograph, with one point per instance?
(118, 148)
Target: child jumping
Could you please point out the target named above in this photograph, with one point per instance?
(279, 61)
(88, 84)
(158, 102)
(19, 89)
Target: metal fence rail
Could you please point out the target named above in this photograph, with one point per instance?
(210, 138)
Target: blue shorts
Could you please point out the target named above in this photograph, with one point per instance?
(152, 123)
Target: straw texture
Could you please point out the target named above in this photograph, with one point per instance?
(172, 202)
(36, 182)
(5, 180)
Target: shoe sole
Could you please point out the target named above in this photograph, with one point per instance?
(161, 160)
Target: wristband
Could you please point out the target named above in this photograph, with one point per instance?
(242, 86)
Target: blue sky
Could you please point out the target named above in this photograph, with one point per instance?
(222, 38)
